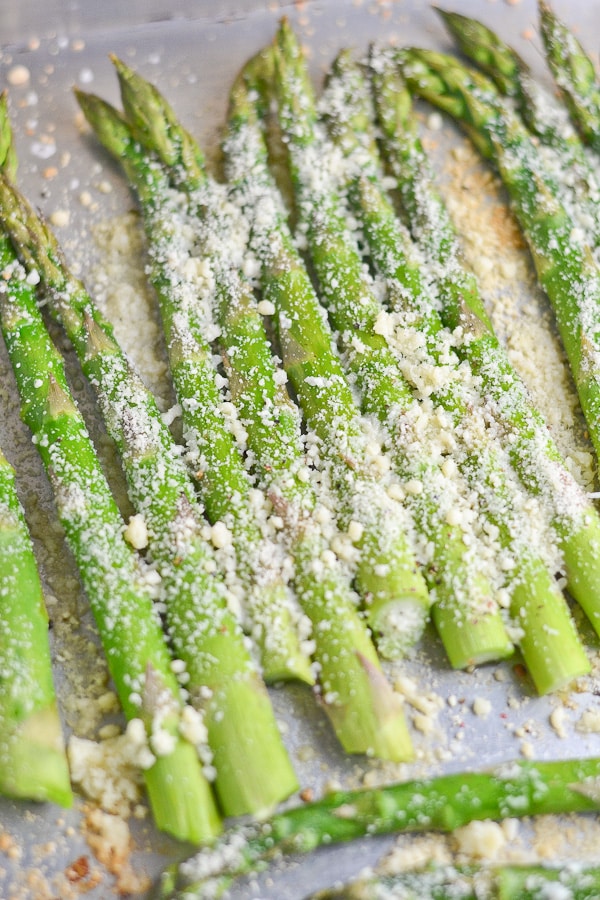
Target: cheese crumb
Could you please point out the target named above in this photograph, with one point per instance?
(60, 218)
(482, 707)
(480, 840)
(220, 535)
(18, 76)
(136, 532)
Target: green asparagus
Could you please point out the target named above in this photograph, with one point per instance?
(33, 763)
(533, 452)
(519, 788)
(365, 712)
(544, 115)
(466, 615)
(447, 882)
(120, 598)
(574, 74)
(213, 454)
(549, 642)
(399, 589)
(564, 265)
(253, 771)
(349, 670)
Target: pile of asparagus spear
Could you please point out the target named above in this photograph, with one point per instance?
(360, 454)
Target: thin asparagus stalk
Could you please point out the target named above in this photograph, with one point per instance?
(574, 74)
(120, 599)
(520, 788)
(33, 763)
(253, 771)
(533, 451)
(215, 458)
(447, 882)
(365, 712)
(543, 114)
(549, 643)
(466, 615)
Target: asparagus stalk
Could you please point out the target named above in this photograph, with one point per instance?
(120, 599)
(533, 452)
(365, 712)
(564, 265)
(574, 74)
(253, 771)
(465, 613)
(549, 643)
(447, 882)
(386, 573)
(33, 763)
(544, 116)
(444, 803)
(215, 458)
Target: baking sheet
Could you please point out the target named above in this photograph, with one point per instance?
(193, 51)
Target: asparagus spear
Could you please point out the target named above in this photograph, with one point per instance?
(365, 712)
(467, 617)
(120, 599)
(574, 74)
(520, 788)
(253, 771)
(447, 882)
(33, 763)
(386, 574)
(533, 452)
(564, 265)
(550, 645)
(349, 668)
(215, 458)
(543, 114)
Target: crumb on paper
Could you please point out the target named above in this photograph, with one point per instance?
(60, 218)
(109, 839)
(18, 76)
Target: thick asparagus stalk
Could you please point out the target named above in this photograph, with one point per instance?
(33, 763)
(121, 601)
(549, 642)
(447, 882)
(574, 74)
(365, 712)
(465, 613)
(217, 464)
(253, 771)
(533, 452)
(520, 788)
